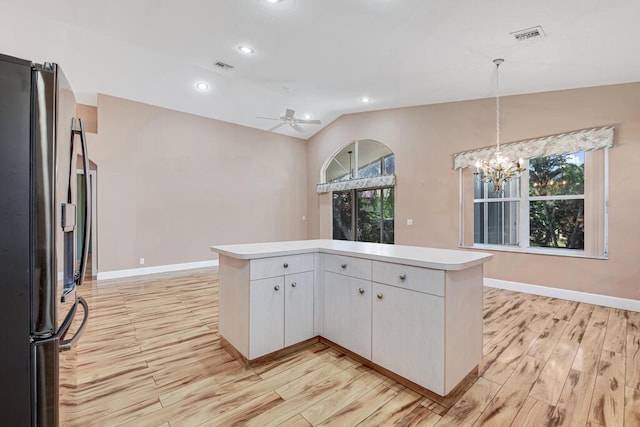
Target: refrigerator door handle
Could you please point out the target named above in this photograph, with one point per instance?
(67, 344)
(87, 208)
(77, 128)
(64, 327)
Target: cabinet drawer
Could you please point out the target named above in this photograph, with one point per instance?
(409, 277)
(279, 266)
(349, 266)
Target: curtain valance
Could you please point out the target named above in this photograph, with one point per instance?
(571, 142)
(355, 184)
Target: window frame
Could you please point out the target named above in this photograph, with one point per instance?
(523, 226)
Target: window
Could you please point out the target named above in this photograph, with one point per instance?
(363, 215)
(558, 205)
(556, 201)
(361, 178)
(552, 214)
(495, 215)
(371, 158)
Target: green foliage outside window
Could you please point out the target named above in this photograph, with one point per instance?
(557, 223)
(373, 215)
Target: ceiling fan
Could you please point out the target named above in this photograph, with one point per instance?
(289, 118)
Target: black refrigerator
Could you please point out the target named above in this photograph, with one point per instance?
(42, 145)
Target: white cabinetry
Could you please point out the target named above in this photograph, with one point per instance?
(408, 335)
(427, 324)
(298, 307)
(347, 312)
(422, 324)
(266, 303)
(266, 316)
(348, 266)
(416, 312)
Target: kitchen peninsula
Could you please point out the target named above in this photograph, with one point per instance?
(411, 312)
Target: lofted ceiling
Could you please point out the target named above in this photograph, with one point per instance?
(320, 57)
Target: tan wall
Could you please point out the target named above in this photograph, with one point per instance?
(89, 116)
(172, 184)
(424, 139)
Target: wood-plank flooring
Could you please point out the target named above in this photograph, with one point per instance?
(151, 356)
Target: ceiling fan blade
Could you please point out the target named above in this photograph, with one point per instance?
(288, 115)
(296, 127)
(275, 127)
(308, 121)
(267, 118)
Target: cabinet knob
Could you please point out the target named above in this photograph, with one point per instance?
(380, 295)
(361, 290)
(294, 284)
(276, 288)
(403, 276)
(285, 265)
(343, 265)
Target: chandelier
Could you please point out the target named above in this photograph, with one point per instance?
(499, 170)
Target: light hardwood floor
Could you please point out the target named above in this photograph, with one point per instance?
(150, 356)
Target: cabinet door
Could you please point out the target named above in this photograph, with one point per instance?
(266, 316)
(347, 312)
(408, 335)
(298, 307)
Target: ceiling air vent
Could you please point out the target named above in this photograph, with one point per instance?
(528, 33)
(223, 65)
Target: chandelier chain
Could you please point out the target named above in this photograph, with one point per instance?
(498, 106)
(499, 170)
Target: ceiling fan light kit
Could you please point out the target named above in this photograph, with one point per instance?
(289, 118)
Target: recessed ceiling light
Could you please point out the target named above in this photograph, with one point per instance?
(365, 99)
(273, 1)
(202, 86)
(245, 49)
(307, 116)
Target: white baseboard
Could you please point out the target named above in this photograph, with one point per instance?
(118, 274)
(597, 299)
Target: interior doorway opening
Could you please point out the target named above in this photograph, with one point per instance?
(92, 261)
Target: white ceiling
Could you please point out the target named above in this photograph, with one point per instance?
(321, 56)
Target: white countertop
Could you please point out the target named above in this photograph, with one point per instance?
(439, 259)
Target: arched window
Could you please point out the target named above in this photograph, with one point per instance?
(361, 178)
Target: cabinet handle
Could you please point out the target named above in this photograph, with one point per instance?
(343, 265)
(285, 265)
(294, 284)
(276, 288)
(361, 290)
(380, 295)
(403, 276)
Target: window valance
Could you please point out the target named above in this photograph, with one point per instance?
(571, 142)
(355, 184)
